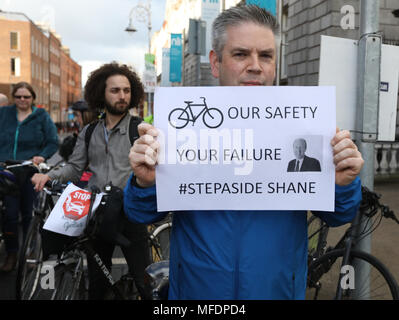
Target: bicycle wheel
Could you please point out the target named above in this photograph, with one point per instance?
(160, 242)
(213, 118)
(70, 282)
(317, 237)
(179, 118)
(324, 274)
(30, 262)
(314, 224)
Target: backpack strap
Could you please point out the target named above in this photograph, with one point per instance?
(133, 130)
(89, 132)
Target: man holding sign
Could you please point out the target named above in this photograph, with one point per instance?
(240, 254)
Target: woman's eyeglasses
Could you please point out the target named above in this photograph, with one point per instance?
(25, 97)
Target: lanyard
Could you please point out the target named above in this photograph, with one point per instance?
(106, 137)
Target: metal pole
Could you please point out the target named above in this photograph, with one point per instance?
(368, 92)
(150, 107)
(279, 42)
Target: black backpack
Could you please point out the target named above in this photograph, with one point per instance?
(67, 146)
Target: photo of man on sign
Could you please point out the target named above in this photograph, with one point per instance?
(302, 162)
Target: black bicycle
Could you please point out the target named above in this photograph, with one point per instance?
(180, 117)
(159, 239)
(11, 173)
(30, 259)
(332, 270)
(71, 277)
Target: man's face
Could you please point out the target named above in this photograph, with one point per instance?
(299, 149)
(117, 94)
(248, 57)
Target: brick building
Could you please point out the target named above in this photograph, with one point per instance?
(71, 81)
(33, 53)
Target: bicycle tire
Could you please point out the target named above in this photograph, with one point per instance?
(317, 237)
(69, 282)
(314, 224)
(160, 242)
(324, 273)
(30, 262)
(173, 117)
(216, 115)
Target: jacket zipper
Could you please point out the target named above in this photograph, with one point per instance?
(17, 133)
(16, 142)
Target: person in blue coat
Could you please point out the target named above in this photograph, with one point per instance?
(239, 254)
(28, 133)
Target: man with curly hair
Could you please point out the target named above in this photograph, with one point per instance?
(115, 89)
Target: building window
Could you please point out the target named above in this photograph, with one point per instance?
(14, 40)
(15, 67)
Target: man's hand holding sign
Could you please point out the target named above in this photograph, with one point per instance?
(347, 158)
(144, 155)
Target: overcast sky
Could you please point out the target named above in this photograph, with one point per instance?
(94, 30)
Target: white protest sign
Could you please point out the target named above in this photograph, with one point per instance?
(69, 215)
(232, 148)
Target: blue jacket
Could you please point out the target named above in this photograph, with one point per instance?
(238, 254)
(35, 136)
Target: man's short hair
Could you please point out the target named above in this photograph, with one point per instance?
(96, 84)
(303, 141)
(236, 16)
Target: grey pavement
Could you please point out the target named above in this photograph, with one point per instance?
(385, 239)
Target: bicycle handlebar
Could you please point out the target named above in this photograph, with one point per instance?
(54, 187)
(9, 164)
(370, 205)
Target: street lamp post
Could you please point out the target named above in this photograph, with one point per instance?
(142, 13)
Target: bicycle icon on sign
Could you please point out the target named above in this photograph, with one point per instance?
(180, 117)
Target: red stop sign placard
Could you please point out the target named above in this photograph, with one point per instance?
(76, 205)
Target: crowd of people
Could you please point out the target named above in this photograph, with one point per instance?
(214, 254)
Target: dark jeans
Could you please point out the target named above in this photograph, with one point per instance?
(13, 206)
(136, 255)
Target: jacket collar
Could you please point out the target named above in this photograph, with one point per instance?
(33, 114)
(121, 125)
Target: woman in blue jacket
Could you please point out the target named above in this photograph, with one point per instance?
(28, 133)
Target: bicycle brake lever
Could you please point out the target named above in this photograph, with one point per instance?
(388, 213)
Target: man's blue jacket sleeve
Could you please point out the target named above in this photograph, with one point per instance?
(347, 202)
(140, 204)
